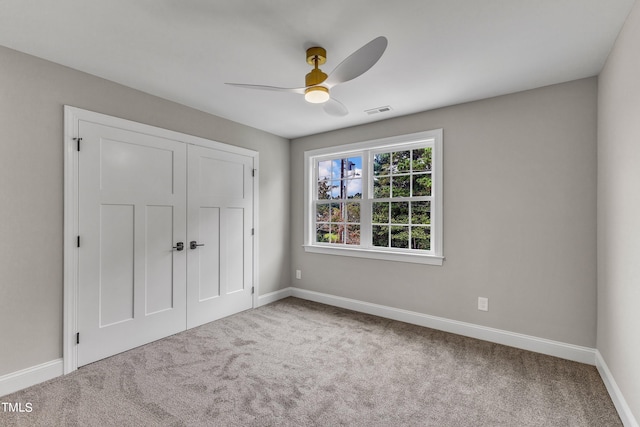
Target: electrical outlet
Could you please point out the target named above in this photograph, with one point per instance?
(298, 274)
(483, 304)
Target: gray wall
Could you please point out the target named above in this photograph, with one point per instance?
(519, 212)
(619, 212)
(32, 95)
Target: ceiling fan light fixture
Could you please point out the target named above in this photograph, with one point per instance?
(316, 94)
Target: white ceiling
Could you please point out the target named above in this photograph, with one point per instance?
(440, 52)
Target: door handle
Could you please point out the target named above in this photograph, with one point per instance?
(179, 246)
(193, 244)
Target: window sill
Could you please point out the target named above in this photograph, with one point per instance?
(373, 254)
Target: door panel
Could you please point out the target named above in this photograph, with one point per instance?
(120, 167)
(220, 178)
(220, 275)
(209, 255)
(132, 211)
(159, 259)
(116, 264)
(235, 249)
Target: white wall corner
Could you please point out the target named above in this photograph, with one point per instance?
(616, 395)
(512, 339)
(24, 378)
(273, 296)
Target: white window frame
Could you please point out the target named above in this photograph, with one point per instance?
(366, 149)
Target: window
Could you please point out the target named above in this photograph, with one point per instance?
(378, 199)
(337, 206)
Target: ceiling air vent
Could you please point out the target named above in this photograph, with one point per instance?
(384, 109)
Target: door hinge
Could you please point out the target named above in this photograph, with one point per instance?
(78, 141)
(253, 172)
(253, 289)
(78, 242)
(77, 337)
(253, 231)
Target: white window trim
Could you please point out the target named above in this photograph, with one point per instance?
(434, 258)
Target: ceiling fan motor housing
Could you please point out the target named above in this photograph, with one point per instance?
(316, 56)
(315, 77)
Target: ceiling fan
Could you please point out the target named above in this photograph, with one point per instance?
(318, 84)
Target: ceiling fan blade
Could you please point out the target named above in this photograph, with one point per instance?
(299, 90)
(358, 62)
(334, 107)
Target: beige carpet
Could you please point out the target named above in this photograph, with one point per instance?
(298, 363)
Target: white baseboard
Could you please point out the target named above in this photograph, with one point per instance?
(616, 395)
(30, 376)
(512, 339)
(273, 296)
(27, 377)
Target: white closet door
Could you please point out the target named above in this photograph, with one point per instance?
(220, 218)
(132, 212)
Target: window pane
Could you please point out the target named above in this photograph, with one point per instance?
(399, 237)
(336, 212)
(335, 189)
(353, 212)
(322, 213)
(381, 187)
(342, 231)
(322, 233)
(421, 238)
(353, 188)
(400, 161)
(401, 186)
(339, 191)
(324, 189)
(335, 236)
(353, 235)
(324, 170)
(381, 164)
(421, 159)
(380, 235)
(420, 212)
(400, 212)
(422, 185)
(380, 212)
(335, 169)
(354, 167)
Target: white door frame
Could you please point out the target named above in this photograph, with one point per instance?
(72, 118)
